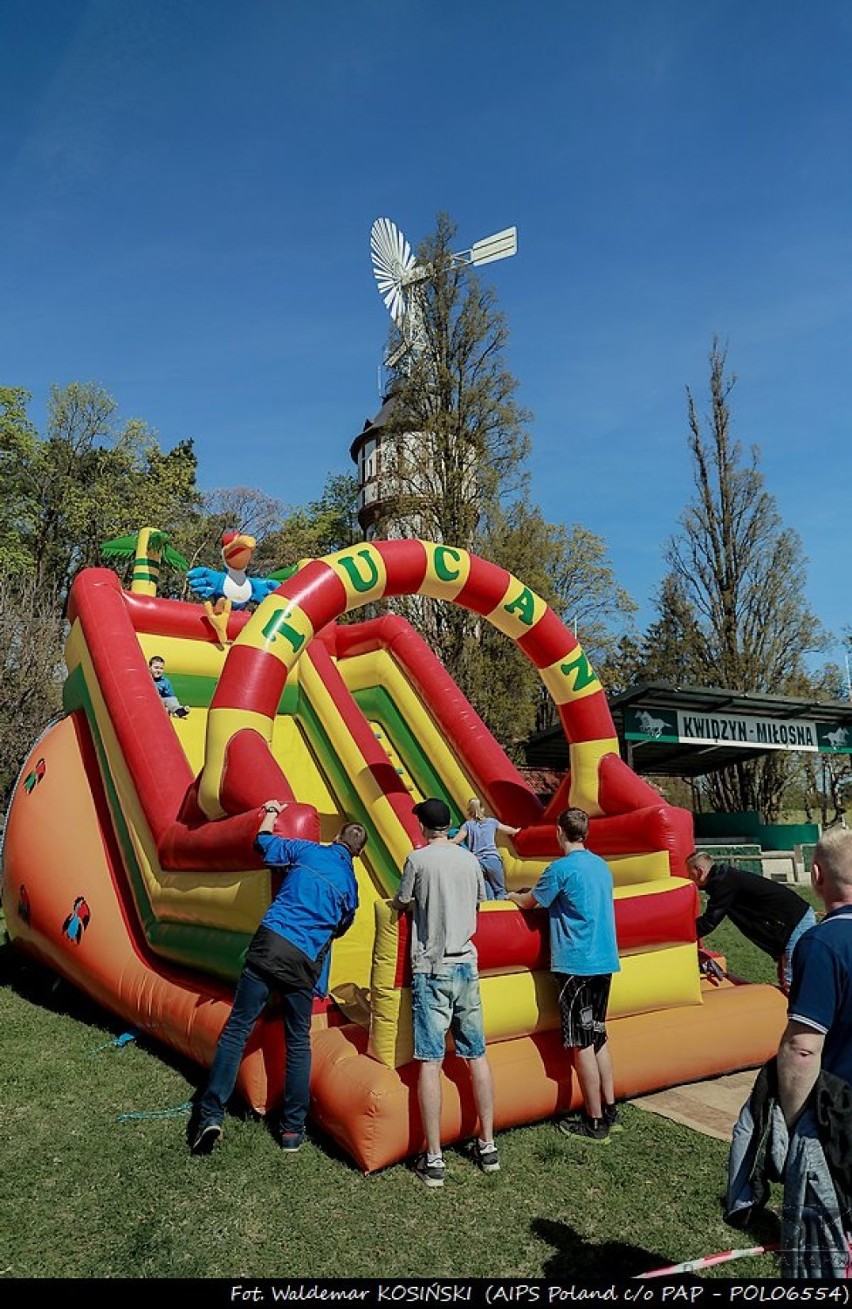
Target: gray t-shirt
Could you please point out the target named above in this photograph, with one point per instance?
(444, 885)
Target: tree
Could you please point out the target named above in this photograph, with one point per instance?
(732, 611)
(820, 783)
(87, 481)
(570, 569)
(671, 649)
(18, 450)
(319, 528)
(456, 435)
(453, 469)
(454, 442)
(32, 633)
(225, 509)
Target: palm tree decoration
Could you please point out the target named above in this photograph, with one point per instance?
(147, 548)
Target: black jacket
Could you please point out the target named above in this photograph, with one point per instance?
(765, 911)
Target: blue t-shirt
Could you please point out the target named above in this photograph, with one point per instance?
(164, 686)
(577, 892)
(318, 896)
(821, 991)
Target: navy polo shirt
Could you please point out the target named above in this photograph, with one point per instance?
(821, 993)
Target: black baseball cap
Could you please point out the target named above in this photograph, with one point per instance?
(433, 814)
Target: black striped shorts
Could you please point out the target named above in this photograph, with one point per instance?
(582, 1007)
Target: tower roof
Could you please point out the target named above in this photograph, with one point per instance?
(372, 426)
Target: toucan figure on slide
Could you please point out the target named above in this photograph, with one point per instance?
(233, 588)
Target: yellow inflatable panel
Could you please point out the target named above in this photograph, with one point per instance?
(522, 1003)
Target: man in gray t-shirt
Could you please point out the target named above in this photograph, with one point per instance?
(442, 885)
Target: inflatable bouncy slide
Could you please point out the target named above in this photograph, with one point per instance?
(129, 864)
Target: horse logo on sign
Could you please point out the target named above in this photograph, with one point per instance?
(650, 726)
(838, 738)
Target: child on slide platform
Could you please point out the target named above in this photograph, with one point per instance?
(479, 831)
(171, 704)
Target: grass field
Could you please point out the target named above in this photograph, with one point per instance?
(96, 1180)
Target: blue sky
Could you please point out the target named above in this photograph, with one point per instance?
(188, 188)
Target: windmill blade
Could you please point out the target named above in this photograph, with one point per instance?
(392, 259)
(499, 246)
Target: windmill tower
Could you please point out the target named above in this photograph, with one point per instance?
(401, 281)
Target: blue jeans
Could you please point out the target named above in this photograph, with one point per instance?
(785, 963)
(493, 875)
(251, 996)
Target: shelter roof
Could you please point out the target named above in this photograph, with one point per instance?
(548, 748)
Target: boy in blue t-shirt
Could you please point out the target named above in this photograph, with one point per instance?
(165, 690)
(576, 890)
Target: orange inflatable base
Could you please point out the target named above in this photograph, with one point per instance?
(371, 1110)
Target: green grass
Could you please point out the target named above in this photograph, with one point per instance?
(87, 1194)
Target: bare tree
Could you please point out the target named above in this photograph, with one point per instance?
(457, 438)
(736, 588)
(230, 508)
(318, 528)
(452, 468)
(454, 443)
(32, 633)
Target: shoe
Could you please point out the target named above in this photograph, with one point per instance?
(487, 1158)
(290, 1142)
(429, 1174)
(181, 713)
(207, 1136)
(612, 1118)
(585, 1129)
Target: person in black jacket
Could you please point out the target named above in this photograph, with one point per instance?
(768, 913)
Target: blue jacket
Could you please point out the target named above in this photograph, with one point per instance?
(317, 899)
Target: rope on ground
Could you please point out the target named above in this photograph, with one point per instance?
(118, 1042)
(179, 1111)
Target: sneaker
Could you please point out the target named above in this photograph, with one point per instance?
(290, 1142)
(207, 1136)
(585, 1129)
(183, 712)
(486, 1157)
(612, 1118)
(429, 1174)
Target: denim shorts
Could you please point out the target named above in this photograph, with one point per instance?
(447, 1001)
(785, 963)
